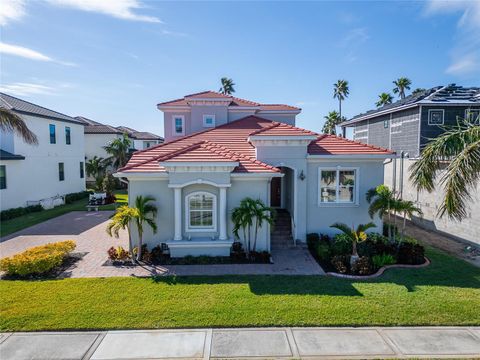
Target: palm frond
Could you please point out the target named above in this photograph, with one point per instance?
(343, 228)
(11, 122)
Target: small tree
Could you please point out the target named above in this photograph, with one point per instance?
(96, 167)
(108, 184)
(407, 208)
(355, 235)
(251, 214)
(382, 201)
(142, 213)
(227, 86)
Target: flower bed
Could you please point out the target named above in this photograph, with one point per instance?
(376, 254)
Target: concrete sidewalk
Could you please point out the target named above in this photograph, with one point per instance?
(295, 343)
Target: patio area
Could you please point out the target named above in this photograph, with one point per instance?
(87, 229)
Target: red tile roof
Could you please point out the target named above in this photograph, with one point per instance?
(229, 142)
(234, 101)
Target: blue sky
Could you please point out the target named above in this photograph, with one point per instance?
(113, 61)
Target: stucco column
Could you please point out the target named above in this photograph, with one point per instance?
(223, 213)
(178, 213)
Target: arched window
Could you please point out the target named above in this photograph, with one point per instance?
(201, 211)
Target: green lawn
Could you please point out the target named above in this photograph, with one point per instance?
(445, 293)
(10, 226)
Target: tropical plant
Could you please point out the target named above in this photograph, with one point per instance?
(384, 99)
(455, 156)
(119, 150)
(418, 91)
(354, 235)
(142, 213)
(340, 92)
(11, 122)
(227, 86)
(406, 208)
(96, 167)
(381, 260)
(331, 121)
(401, 84)
(382, 201)
(251, 214)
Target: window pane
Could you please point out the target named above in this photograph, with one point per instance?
(67, 136)
(61, 173)
(201, 210)
(207, 218)
(473, 116)
(195, 218)
(82, 171)
(346, 189)
(328, 185)
(436, 117)
(53, 139)
(3, 177)
(178, 125)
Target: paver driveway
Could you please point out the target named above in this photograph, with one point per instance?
(88, 231)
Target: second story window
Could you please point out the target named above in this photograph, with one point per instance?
(3, 177)
(385, 124)
(435, 116)
(178, 125)
(61, 171)
(68, 140)
(82, 170)
(473, 116)
(208, 120)
(53, 137)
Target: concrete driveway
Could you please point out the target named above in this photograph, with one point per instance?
(87, 229)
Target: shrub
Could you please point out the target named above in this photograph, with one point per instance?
(312, 240)
(72, 197)
(363, 266)
(108, 184)
(411, 254)
(146, 255)
(322, 251)
(157, 254)
(342, 245)
(262, 257)
(377, 238)
(379, 261)
(118, 253)
(385, 229)
(340, 263)
(16, 212)
(37, 260)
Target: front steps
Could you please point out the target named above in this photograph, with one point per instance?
(281, 234)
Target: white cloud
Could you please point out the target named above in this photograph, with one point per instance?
(466, 52)
(34, 88)
(352, 42)
(121, 9)
(27, 53)
(11, 10)
(173, 33)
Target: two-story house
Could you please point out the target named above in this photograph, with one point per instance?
(220, 149)
(36, 173)
(141, 140)
(406, 126)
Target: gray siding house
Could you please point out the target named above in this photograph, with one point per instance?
(198, 178)
(407, 126)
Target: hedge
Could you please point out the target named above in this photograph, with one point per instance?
(16, 212)
(37, 260)
(70, 198)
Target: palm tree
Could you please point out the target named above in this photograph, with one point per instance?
(11, 122)
(418, 91)
(340, 92)
(251, 213)
(355, 235)
(407, 208)
(401, 84)
(96, 167)
(142, 213)
(382, 201)
(457, 153)
(118, 149)
(331, 121)
(227, 86)
(384, 99)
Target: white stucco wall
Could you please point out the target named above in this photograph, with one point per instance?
(94, 144)
(36, 177)
(467, 229)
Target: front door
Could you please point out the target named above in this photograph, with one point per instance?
(276, 192)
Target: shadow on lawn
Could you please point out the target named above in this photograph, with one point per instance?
(444, 271)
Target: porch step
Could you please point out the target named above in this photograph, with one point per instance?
(281, 235)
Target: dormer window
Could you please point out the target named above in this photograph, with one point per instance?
(208, 120)
(178, 125)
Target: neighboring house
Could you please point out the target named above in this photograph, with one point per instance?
(141, 140)
(209, 109)
(406, 126)
(29, 173)
(198, 179)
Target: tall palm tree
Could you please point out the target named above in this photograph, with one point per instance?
(340, 92)
(418, 91)
(11, 122)
(401, 84)
(331, 121)
(119, 150)
(382, 201)
(407, 208)
(96, 167)
(384, 99)
(355, 235)
(142, 213)
(227, 86)
(455, 156)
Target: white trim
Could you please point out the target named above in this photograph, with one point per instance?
(370, 116)
(419, 130)
(142, 175)
(477, 120)
(282, 138)
(174, 163)
(205, 117)
(174, 128)
(193, 244)
(199, 181)
(436, 110)
(337, 203)
(365, 157)
(279, 112)
(255, 176)
(181, 108)
(188, 227)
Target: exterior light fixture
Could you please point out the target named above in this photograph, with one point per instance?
(301, 176)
